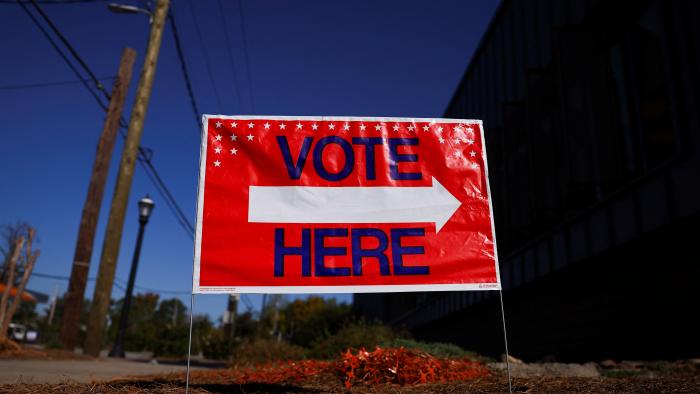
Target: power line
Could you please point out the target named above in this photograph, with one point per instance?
(144, 154)
(117, 279)
(52, 276)
(51, 2)
(182, 218)
(245, 54)
(229, 51)
(48, 84)
(183, 67)
(205, 54)
(152, 290)
(72, 50)
(63, 56)
(248, 303)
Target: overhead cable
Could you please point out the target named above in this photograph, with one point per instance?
(229, 51)
(183, 67)
(205, 54)
(47, 84)
(246, 56)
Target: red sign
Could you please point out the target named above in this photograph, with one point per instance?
(333, 205)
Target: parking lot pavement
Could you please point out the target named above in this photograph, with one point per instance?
(56, 371)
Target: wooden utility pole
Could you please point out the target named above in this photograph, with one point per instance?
(93, 201)
(112, 240)
(230, 317)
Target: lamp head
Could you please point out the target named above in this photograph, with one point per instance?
(123, 8)
(145, 208)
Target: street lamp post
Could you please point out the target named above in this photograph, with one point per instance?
(145, 208)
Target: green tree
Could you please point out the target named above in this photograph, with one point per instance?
(48, 332)
(140, 331)
(171, 313)
(304, 322)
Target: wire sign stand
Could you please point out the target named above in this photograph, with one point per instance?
(408, 199)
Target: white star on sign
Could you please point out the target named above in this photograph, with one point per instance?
(217, 150)
(314, 126)
(377, 127)
(267, 126)
(234, 151)
(456, 154)
(346, 126)
(472, 154)
(250, 137)
(470, 141)
(474, 165)
(426, 128)
(457, 129)
(411, 127)
(362, 126)
(251, 125)
(469, 129)
(442, 140)
(283, 126)
(218, 124)
(218, 137)
(396, 127)
(439, 129)
(217, 164)
(234, 124)
(299, 125)
(331, 126)
(233, 137)
(457, 140)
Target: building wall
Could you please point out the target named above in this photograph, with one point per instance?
(592, 127)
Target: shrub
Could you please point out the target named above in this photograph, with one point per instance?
(436, 349)
(171, 342)
(302, 322)
(264, 350)
(353, 335)
(217, 345)
(53, 343)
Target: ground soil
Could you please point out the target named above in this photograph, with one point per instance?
(326, 384)
(623, 377)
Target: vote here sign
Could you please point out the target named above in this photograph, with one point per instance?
(339, 204)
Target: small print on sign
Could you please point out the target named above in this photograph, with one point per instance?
(343, 205)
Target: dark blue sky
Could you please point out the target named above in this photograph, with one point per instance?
(343, 58)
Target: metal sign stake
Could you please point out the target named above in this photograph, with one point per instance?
(505, 340)
(189, 345)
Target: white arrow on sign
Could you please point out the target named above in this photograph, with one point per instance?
(378, 204)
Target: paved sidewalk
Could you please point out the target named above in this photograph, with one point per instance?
(56, 371)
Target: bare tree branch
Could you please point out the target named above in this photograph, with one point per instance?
(12, 263)
(29, 260)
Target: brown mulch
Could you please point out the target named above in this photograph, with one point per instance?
(10, 350)
(492, 384)
(46, 354)
(8, 345)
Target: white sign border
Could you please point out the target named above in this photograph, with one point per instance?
(197, 289)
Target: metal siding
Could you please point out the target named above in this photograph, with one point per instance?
(531, 27)
(519, 50)
(544, 9)
(508, 56)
